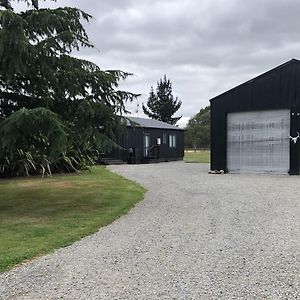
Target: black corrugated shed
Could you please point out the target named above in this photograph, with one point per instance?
(278, 88)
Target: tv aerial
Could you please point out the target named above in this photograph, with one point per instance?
(137, 108)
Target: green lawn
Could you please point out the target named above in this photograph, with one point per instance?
(39, 215)
(197, 157)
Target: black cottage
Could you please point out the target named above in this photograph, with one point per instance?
(255, 126)
(147, 140)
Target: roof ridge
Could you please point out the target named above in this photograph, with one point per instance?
(152, 123)
(293, 60)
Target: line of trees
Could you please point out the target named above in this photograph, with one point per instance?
(56, 111)
(197, 133)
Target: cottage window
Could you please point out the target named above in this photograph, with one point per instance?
(146, 144)
(164, 138)
(172, 141)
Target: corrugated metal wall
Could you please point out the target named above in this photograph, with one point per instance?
(276, 89)
(258, 142)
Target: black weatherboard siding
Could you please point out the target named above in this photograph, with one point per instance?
(278, 88)
(132, 140)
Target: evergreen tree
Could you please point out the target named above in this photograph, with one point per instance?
(197, 133)
(162, 105)
(38, 70)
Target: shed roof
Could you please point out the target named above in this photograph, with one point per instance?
(150, 123)
(276, 69)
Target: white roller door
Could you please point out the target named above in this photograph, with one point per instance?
(258, 141)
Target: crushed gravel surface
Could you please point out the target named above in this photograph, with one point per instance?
(195, 236)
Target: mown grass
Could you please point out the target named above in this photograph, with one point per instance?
(39, 215)
(197, 157)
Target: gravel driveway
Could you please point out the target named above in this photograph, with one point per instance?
(195, 236)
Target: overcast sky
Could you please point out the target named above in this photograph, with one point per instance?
(204, 47)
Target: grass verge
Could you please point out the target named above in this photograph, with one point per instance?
(197, 157)
(39, 215)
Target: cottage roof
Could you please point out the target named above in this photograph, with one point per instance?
(150, 123)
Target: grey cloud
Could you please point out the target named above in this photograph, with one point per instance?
(205, 47)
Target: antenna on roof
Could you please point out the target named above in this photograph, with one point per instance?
(137, 107)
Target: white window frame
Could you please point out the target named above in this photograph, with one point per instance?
(146, 142)
(172, 141)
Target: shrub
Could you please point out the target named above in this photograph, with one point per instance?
(32, 141)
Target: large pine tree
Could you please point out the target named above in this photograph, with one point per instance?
(37, 70)
(162, 105)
